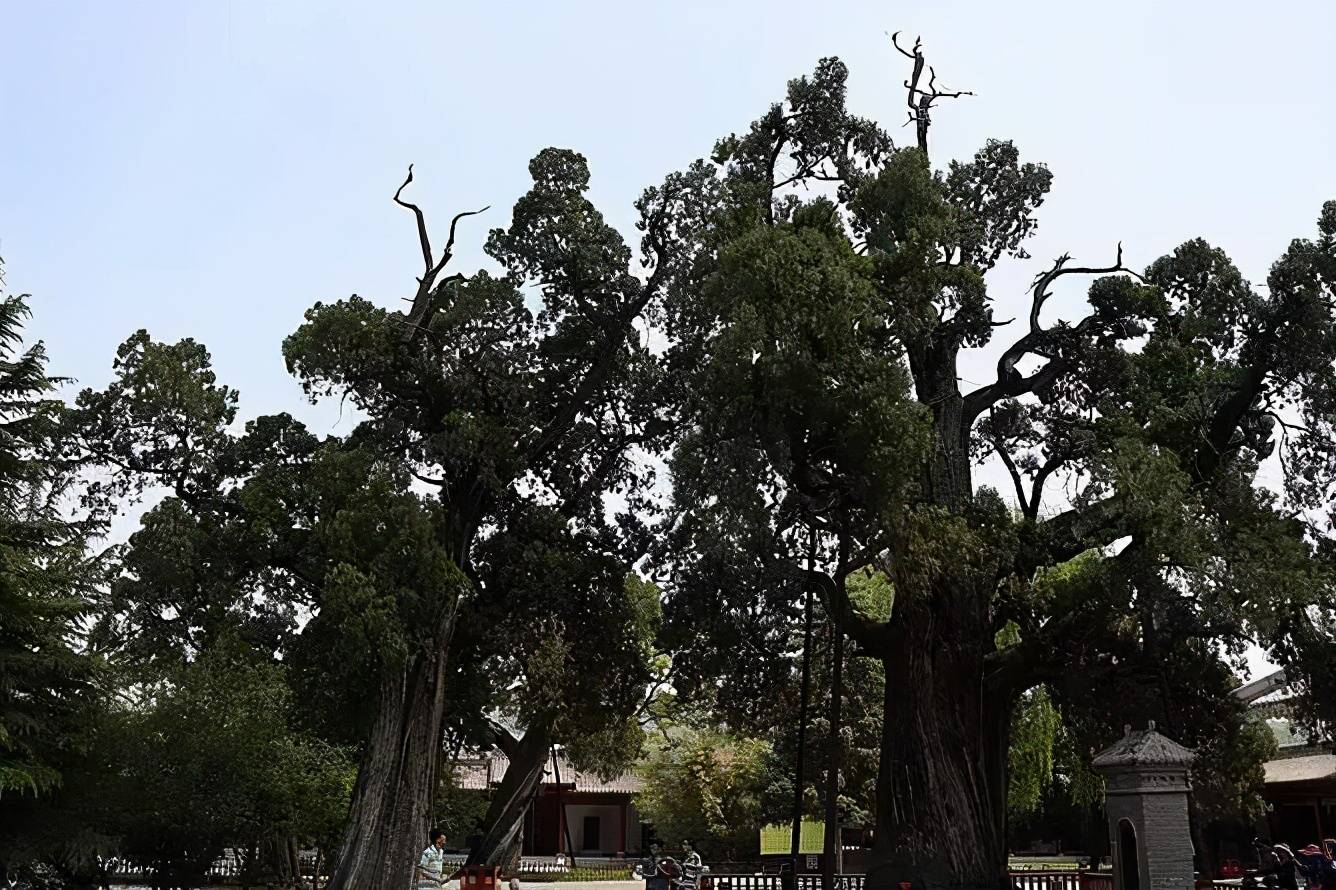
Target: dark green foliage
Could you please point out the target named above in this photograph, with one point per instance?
(545, 595)
(455, 556)
(211, 761)
(1036, 729)
(260, 528)
(47, 577)
(471, 494)
(776, 719)
(826, 421)
(710, 788)
(180, 769)
(459, 812)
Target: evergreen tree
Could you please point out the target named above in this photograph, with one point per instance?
(47, 579)
(833, 283)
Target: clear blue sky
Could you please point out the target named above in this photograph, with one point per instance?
(211, 168)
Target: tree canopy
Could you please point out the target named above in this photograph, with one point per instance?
(48, 574)
(827, 432)
(496, 530)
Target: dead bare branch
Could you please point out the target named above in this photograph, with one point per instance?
(450, 242)
(904, 52)
(423, 238)
(432, 268)
(919, 99)
(1010, 383)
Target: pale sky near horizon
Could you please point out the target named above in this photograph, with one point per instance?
(212, 168)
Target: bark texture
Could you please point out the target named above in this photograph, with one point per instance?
(391, 806)
(505, 815)
(941, 788)
(942, 776)
(834, 842)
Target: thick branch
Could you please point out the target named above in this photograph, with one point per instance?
(1078, 529)
(617, 332)
(1037, 485)
(868, 633)
(999, 447)
(1225, 423)
(1010, 382)
(503, 738)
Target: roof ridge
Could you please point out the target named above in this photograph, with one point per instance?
(1143, 748)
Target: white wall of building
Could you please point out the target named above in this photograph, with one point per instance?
(609, 828)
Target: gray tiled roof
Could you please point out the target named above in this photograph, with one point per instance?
(1286, 734)
(1309, 768)
(481, 773)
(1143, 748)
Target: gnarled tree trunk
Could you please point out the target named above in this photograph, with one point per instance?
(505, 815)
(276, 862)
(941, 786)
(391, 806)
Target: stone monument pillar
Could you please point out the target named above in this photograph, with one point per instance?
(1146, 795)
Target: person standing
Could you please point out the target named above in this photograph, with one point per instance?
(1309, 861)
(1319, 865)
(1283, 866)
(431, 865)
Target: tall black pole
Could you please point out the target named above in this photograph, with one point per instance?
(804, 693)
(834, 847)
(561, 807)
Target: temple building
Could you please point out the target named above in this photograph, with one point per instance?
(601, 816)
(1301, 779)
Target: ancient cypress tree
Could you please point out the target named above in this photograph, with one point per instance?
(835, 282)
(480, 413)
(497, 409)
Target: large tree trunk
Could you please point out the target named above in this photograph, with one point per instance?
(274, 863)
(1205, 850)
(941, 787)
(505, 815)
(947, 477)
(391, 806)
